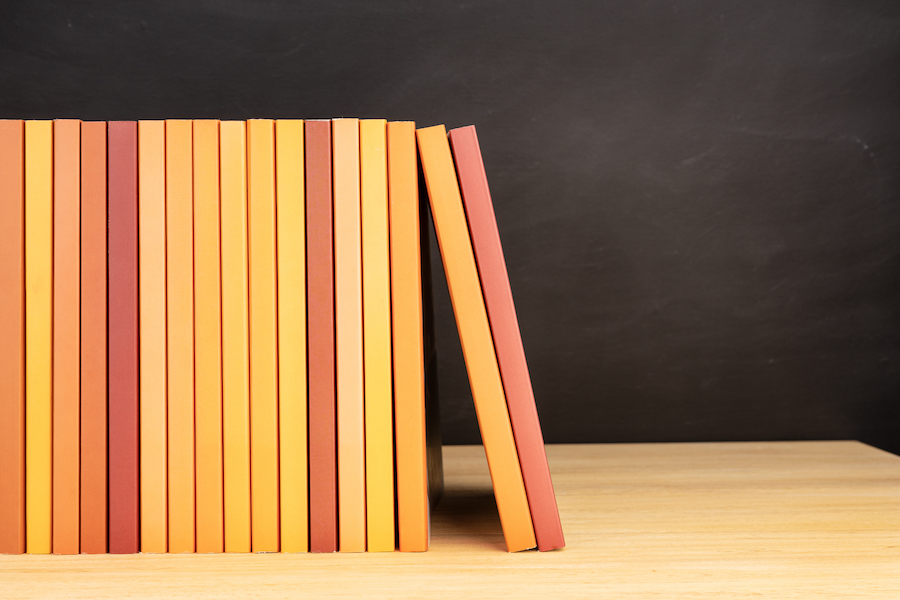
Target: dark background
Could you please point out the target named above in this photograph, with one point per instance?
(699, 200)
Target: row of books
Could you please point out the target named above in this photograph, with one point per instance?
(217, 336)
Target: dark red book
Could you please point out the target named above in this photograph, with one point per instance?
(507, 339)
(124, 516)
(323, 526)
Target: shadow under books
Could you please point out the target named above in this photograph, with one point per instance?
(470, 514)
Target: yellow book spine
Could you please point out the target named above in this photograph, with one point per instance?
(207, 339)
(349, 337)
(263, 337)
(377, 336)
(38, 334)
(235, 340)
(180, 340)
(291, 238)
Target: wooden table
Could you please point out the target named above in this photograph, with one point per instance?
(724, 520)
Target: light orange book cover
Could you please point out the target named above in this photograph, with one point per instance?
(152, 272)
(235, 340)
(38, 335)
(180, 335)
(351, 449)
(207, 339)
(475, 337)
(12, 337)
(291, 240)
(66, 333)
(377, 336)
(94, 489)
(263, 336)
(406, 333)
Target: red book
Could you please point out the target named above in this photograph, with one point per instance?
(507, 339)
(323, 527)
(124, 490)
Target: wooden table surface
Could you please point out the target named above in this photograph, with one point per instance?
(715, 520)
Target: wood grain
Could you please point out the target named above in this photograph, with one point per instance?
(735, 520)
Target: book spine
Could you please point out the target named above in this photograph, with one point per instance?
(235, 340)
(263, 336)
(124, 456)
(406, 333)
(475, 337)
(507, 338)
(38, 334)
(207, 338)
(180, 335)
(12, 337)
(291, 240)
(351, 448)
(323, 524)
(94, 424)
(66, 333)
(152, 273)
(377, 336)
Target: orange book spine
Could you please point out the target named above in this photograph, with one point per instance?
(235, 341)
(152, 244)
(475, 337)
(180, 335)
(208, 338)
(94, 516)
(263, 336)
(12, 337)
(66, 333)
(351, 448)
(407, 340)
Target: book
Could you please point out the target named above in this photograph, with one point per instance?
(263, 336)
(180, 335)
(507, 338)
(291, 241)
(12, 336)
(66, 333)
(475, 337)
(94, 425)
(38, 335)
(407, 338)
(351, 449)
(323, 525)
(235, 340)
(124, 455)
(207, 339)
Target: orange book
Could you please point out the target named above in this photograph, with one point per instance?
(406, 333)
(94, 515)
(475, 337)
(38, 334)
(351, 449)
(263, 336)
(152, 271)
(207, 339)
(12, 337)
(66, 333)
(377, 336)
(180, 338)
(291, 224)
(235, 341)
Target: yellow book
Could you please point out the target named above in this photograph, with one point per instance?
(263, 336)
(180, 330)
(152, 273)
(377, 336)
(289, 193)
(38, 334)
(235, 341)
(207, 339)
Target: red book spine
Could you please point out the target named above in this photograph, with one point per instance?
(123, 339)
(323, 527)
